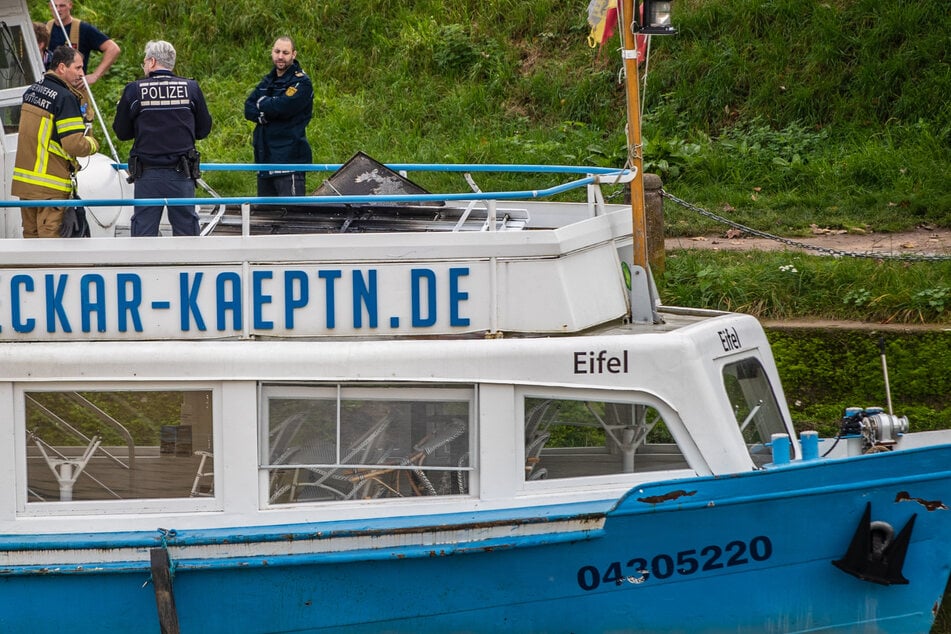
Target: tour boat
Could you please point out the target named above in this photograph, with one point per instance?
(381, 409)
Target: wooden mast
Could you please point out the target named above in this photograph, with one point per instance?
(641, 289)
(632, 81)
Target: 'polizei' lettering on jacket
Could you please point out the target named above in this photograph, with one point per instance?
(163, 93)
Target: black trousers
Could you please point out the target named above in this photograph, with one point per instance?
(164, 182)
(289, 184)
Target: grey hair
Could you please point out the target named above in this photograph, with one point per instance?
(162, 52)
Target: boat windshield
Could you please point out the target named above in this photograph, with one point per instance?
(754, 405)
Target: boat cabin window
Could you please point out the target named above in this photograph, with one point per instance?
(16, 72)
(356, 443)
(754, 404)
(118, 445)
(570, 438)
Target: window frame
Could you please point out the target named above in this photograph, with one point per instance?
(669, 415)
(25, 508)
(759, 452)
(375, 391)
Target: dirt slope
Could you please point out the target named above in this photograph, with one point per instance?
(922, 241)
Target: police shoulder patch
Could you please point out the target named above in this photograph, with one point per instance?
(291, 91)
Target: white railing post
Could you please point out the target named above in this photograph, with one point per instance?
(245, 219)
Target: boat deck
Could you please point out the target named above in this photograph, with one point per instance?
(303, 219)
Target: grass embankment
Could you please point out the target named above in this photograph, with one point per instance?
(784, 113)
(778, 115)
(783, 285)
(788, 113)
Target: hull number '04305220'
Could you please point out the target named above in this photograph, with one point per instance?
(686, 562)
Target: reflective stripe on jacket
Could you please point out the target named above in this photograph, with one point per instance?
(51, 135)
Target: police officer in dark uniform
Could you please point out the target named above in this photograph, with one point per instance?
(164, 114)
(281, 106)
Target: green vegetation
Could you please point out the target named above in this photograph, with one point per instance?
(824, 372)
(786, 285)
(778, 114)
(784, 113)
(789, 113)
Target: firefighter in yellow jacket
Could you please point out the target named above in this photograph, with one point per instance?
(52, 134)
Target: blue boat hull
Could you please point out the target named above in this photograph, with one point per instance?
(748, 553)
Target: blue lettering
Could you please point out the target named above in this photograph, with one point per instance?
(296, 295)
(417, 276)
(364, 294)
(456, 296)
(16, 283)
(89, 305)
(54, 303)
(258, 299)
(129, 303)
(189, 297)
(331, 276)
(232, 305)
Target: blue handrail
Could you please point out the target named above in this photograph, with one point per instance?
(595, 175)
(412, 167)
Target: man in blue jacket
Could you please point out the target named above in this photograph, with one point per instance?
(281, 105)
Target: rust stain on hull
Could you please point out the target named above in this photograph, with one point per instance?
(672, 495)
(931, 505)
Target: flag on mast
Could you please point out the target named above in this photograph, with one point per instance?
(602, 18)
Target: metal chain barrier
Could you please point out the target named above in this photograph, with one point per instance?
(803, 245)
